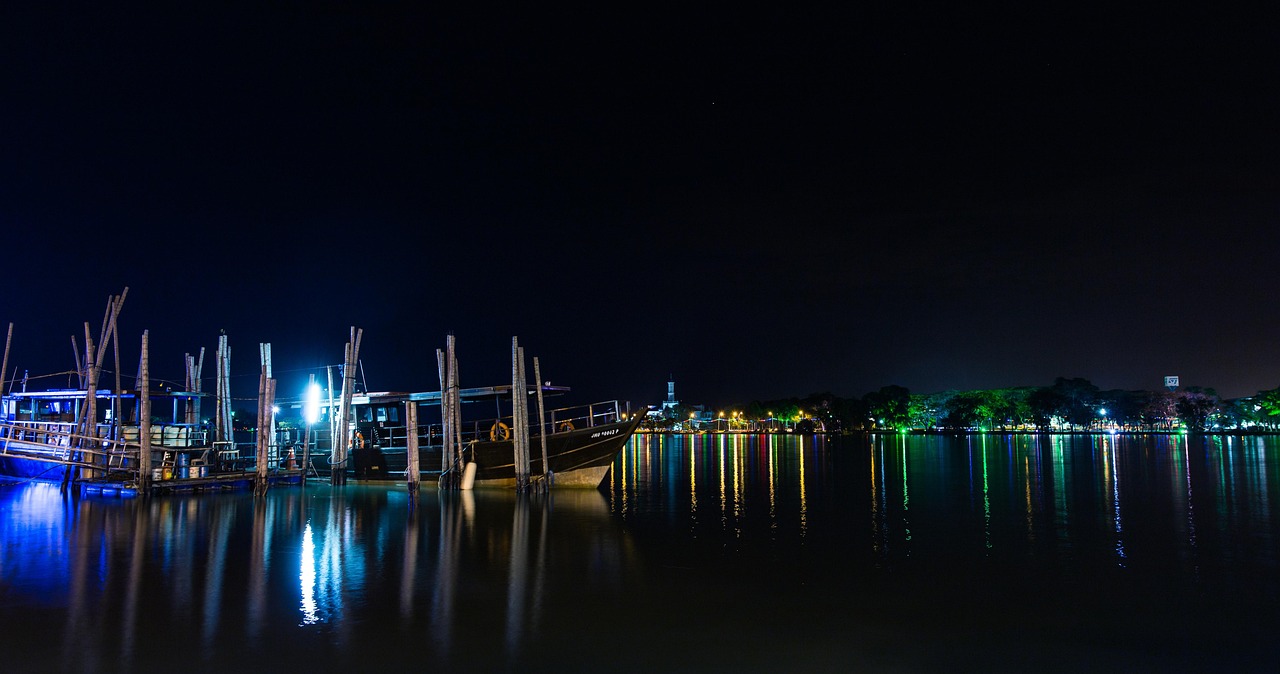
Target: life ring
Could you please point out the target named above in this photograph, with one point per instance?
(358, 441)
(499, 432)
(566, 426)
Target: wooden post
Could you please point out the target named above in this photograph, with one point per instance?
(189, 363)
(259, 447)
(228, 428)
(218, 428)
(273, 449)
(306, 433)
(412, 474)
(547, 475)
(338, 475)
(455, 407)
(195, 402)
(446, 417)
(86, 416)
(333, 418)
(266, 387)
(451, 464)
(144, 426)
(115, 342)
(519, 430)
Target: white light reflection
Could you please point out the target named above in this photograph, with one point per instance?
(693, 492)
(906, 492)
(1112, 474)
(986, 497)
(308, 578)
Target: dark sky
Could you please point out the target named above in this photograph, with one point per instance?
(760, 200)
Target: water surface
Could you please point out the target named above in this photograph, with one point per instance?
(981, 552)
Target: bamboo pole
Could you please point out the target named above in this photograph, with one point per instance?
(455, 389)
(333, 418)
(519, 428)
(451, 463)
(4, 364)
(189, 363)
(306, 436)
(412, 474)
(228, 427)
(338, 469)
(144, 427)
(114, 335)
(547, 475)
(273, 447)
(351, 358)
(199, 388)
(75, 351)
(446, 441)
(92, 358)
(217, 420)
(260, 440)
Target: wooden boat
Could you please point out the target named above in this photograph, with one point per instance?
(581, 442)
(40, 439)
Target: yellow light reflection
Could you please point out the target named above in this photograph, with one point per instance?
(804, 502)
(693, 486)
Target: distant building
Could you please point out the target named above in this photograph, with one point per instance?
(669, 405)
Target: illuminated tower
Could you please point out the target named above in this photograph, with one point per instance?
(669, 405)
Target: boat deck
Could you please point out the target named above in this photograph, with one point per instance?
(113, 486)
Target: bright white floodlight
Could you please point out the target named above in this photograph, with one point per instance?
(311, 408)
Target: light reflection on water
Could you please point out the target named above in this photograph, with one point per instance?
(891, 551)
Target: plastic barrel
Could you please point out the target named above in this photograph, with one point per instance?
(469, 475)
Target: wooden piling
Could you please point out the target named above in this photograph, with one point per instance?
(144, 412)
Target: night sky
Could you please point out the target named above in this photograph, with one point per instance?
(759, 200)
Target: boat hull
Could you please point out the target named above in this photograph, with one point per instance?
(31, 462)
(578, 458)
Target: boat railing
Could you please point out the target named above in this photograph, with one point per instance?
(558, 420)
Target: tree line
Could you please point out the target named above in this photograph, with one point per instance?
(1067, 404)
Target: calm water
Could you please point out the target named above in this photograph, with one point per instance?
(752, 553)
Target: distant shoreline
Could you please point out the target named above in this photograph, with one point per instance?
(956, 432)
